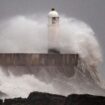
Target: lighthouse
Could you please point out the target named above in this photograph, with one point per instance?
(53, 28)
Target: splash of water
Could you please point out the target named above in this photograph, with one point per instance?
(22, 34)
(16, 86)
(25, 35)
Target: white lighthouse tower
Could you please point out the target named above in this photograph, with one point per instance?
(53, 28)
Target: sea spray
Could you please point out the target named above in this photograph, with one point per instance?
(22, 34)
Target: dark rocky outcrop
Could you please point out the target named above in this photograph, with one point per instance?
(15, 101)
(37, 98)
(84, 99)
(1, 101)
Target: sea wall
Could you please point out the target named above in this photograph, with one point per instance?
(39, 59)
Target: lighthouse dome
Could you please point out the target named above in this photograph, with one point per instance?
(53, 13)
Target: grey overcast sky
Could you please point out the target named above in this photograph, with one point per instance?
(90, 11)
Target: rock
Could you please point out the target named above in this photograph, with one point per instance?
(38, 98)
(1, 101)
(15, 101)
(84, 99)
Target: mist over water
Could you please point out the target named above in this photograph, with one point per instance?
(23, 34)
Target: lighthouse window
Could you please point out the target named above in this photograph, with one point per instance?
(53, 20)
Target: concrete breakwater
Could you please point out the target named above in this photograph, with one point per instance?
(18, 59)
